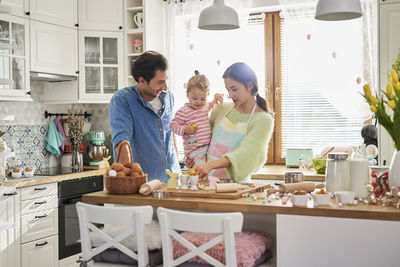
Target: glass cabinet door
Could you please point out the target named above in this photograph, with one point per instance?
(102, 60)
(13, 56)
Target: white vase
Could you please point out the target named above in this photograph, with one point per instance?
(394, 171)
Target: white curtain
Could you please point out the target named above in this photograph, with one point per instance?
(191, 9)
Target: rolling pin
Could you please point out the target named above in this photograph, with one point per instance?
(291, 187)
(226, 187)
(149, 187)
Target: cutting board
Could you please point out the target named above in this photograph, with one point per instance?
(212, 194)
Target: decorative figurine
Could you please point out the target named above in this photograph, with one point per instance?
(104, 164)
(371, 198)
(173, 181)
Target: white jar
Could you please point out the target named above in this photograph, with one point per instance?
(359, 176)
(337, 172)
(66, 160)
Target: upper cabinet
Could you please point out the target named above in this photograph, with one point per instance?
(18, 7)
(100, 65)
(54, 49)
(14, 58)
(100, 15)
(59, 12)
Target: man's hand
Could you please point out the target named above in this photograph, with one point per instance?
(189, 162)
(190, 129)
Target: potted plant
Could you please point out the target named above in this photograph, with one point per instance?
(387, 111)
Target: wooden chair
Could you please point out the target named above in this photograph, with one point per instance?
(137, 217)
(225, 223)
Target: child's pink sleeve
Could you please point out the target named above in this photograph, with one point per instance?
(178, 123)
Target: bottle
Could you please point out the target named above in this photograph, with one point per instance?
(359, 171)
(337, 172)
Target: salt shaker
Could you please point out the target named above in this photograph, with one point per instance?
(337, 172)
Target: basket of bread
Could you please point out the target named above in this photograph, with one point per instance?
(124, 176)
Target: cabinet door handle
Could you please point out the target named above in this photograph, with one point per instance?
(42, 244)
(41, 202)
(77, 25)
(28, 13)
(10, 194)
(40, 216)
(40, 188)
(120, 27)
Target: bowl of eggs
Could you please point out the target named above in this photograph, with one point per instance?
(16, 173)
(28, 172)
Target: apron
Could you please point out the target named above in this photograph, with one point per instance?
(226, 137)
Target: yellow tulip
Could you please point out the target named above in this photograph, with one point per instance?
(398, 85)
(389, 90)
(367, 90)
(394, 76)
(373, 108)
(391, 104)
(374, 100)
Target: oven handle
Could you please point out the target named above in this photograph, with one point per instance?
(41, 202)
(42, 244)
(40, 216)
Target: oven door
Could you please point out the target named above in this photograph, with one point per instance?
(68, 227)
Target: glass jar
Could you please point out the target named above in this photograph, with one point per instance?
(337, 172)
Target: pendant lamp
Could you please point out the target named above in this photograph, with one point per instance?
(218, 16)
(338, 9)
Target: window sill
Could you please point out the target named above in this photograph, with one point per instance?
(277, 172)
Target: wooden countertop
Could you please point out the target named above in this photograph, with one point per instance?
(360, 211)
(277, 172)
(87, 172)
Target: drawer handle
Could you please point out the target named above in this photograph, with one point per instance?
(42, 244)
(10, 194)
(40, 216)
(41, 202)
(40, 188)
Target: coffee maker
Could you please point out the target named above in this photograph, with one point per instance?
(97, 150)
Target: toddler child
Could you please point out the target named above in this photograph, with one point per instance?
(191, 121)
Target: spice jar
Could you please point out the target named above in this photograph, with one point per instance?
(337, 172)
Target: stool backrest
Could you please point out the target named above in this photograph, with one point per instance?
(137, 217)
(225, 223)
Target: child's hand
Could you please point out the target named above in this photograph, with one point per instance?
(191, 129)
(218, 98)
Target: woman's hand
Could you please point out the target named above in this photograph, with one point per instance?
(189, 162)
(203, 169)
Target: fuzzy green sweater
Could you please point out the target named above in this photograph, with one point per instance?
(252, 151)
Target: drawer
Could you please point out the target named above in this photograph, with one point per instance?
(36, 191)
(39, 204)
(39, 225)
(43, 253)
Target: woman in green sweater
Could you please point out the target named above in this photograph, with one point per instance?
(240, 130)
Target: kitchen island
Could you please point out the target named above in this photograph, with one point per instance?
(361, 235)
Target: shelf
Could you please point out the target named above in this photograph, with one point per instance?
(135, 9)
(134, 31)
(134, 54)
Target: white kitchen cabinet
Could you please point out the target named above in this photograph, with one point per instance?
(100, 65)
(389, 41)
(59, 12)
(53, 49)
(14, 58)
(40, 253)
(18, 7)
(100, 15)
(9, 247)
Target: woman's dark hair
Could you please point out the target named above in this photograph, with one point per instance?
(242, 73)
(147, 64)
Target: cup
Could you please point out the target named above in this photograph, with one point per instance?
(184, 180)
(380, 180)
(138, 19)
(138, 45)
(345, 197)
(194, 179)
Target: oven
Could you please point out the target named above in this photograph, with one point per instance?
(69, 193)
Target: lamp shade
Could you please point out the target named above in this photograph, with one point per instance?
(218, 16)
(338, 9)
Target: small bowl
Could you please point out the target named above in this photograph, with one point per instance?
(299, 200)
(345, 197)
(319, 165)
(16, 174)
(321, 199)
(29, 174)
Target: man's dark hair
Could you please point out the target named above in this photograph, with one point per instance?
(146, 65)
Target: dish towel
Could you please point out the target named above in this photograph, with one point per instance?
(54, 139)
(60, 129)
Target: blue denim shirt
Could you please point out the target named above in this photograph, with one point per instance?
(132, 118)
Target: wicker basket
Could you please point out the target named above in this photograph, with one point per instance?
(124, 185)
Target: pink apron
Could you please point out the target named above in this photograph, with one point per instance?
(226, 137)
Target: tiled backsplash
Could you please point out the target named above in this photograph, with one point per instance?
(26, 134)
